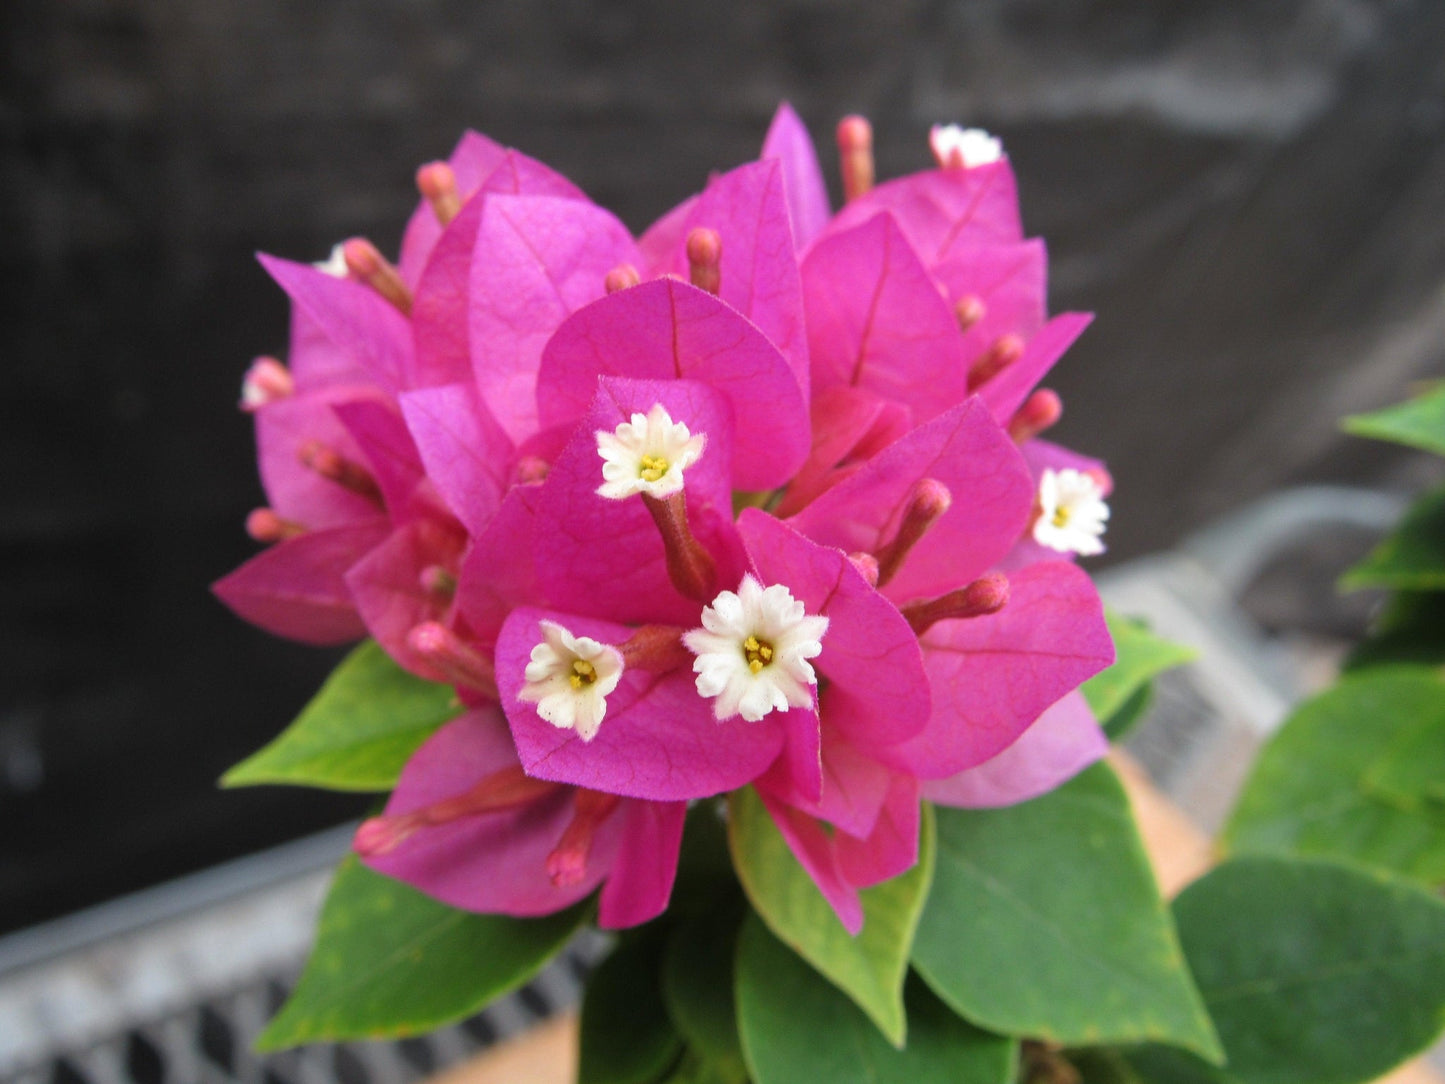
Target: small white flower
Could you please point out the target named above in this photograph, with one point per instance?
(647, 455)
(569, 678)
(335, 264)
(963, 148)
(753, 651)
(1072, 512)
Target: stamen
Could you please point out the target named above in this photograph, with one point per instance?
(855, 156)
(969, 309)
(622, 277)
(1040, 410)
(532, 470)
(690, 567)
(986, 595)
(867, 565)
(657, 648)
(437, 184)
(436, 580)
(704, 259)
(372, 268)
(928, 500)
(266, 381)
(502, 790)
(264, 525)
(1006, 350)
(332, 465)
(455, 661)
(567, 864)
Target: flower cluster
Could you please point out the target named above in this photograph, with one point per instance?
(754, 499)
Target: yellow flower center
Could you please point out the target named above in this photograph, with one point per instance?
(759, 653)
(583, 673)
(1061, 517)
(653, 468)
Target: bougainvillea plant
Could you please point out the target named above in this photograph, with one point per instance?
(717, 587)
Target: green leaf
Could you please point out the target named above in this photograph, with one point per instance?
(1308, 793)
(869, 968)
(796, 1027)
(1141, 657)
(1410, 629)
(626, 1035)
(1315, 973)
(1131, 713)
(1411, 773)
(1045, 921)
(1412, 557)
(390, 961)
(357, 732)
(1418, 422)
(697, 984)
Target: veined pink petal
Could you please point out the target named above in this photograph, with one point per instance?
(315, 361)
(849, 428)
(355, 318)
(659, 739)
(1006, 392)
(877, 322)
(993, 676)
(606, 558)
(892, 847)
(813, 847)
(986, 476)
(536, 261)
(467, 456)
(295, 491)
(853, 791)
(386, 585)
(297, 588)
(944, 212)
(1011, 283)
(659, 245)
(474, 159)
(499, 572)
(440, 326)
(749, 211)
(877, 693)
(1063, 742)
(494, 863)
(797, 774)
(788, 141)
(481, 167)
(666, 329)
(382, 436)
(640, 883)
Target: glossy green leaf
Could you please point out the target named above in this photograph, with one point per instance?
(1410, 629)
(626, 1035)
(1309, 795)
(697, 984)
(869, 968)
(390, 961)
(1418, 422)
(1142, 656)
(1315, 973)
(357, 732)
(1412, 557)
(796, 1027)
(1045, 921)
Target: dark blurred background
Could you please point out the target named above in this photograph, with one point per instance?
(1250, 196)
